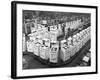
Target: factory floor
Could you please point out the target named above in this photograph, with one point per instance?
(32, 63)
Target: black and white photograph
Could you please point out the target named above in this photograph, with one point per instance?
(53, 39)
(56, 39)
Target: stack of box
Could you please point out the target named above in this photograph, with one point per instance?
(43, 53)
(27, 28)
(81, 37)
(37, 44)
(59, 30)
(46, 35)
(30, 45)
(45, 49)
(53, 32)
(84, 36)
(74, 38)
(66, 28)
(70, 46)
(23, 43)
(64, 54)
(88, 33)
(32, 36)
(84, 39)
(74, 24)
(53, 55)
(79, 41)
(33, 27)
(53, 36)
(36, 49)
